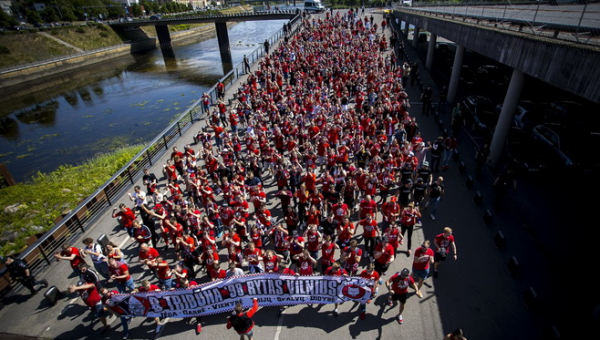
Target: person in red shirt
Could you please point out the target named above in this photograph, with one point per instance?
(90, 296)
(336, 270)
(394, 236)
(390, 211)
(370, 274)
(313, 240)
(328, 248)
(119, 273)
(384, 255)
(271, 261)
(408, 220)
(147, 254)
(370, 232)
(423, 259)
(344, 231)
(443, 243)
(351, 256)
(148, 287)
(126, 217)
(242, 321)
(305, 263)
(164, 273)
(71, 254)
(398, 287)
(253, 255)
(368, 206)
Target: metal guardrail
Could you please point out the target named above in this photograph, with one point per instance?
(559, 20)
(39, 255)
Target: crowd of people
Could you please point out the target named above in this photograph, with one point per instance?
(316, 166)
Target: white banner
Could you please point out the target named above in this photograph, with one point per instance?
(222, 296)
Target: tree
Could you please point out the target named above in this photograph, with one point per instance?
(136, 10)
(6, 20)
(33, 16)
(50, 14)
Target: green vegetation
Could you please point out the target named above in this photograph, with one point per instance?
(20, 51)
(31, 208)
(89, 37)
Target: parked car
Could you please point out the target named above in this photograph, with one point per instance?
(480, 114)
(155, 17)
(568, 148)
(491, 75)
(521, 152)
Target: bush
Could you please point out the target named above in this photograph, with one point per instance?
(104, 34)
(4, 50)
(80, 30)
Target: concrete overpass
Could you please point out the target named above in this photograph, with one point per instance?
(571, 65)
(220, 21)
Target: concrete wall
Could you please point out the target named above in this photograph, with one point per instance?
(573, 67)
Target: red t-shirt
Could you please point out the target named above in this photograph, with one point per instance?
(371, 276)
(387, 252)
(400, 285)
(252, 255)
(422, 258)
(369, 228)
(76, 260)
(151, 254)
(440, 241)
(120, 270)
(91, 297)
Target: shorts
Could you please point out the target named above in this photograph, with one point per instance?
(249, 335)
(439, 257)
(421, 273)
(400, 297)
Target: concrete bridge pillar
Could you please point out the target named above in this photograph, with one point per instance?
(430, 51)
(224, 48)
(164, 40)
(509, 107)
(455, 76)
(415, 41)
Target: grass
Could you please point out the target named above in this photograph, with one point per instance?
(89, 37)
(20, 49)
(44, 199)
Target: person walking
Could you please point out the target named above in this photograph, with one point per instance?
(422, 263)
(398, 285)
(246, 64)
(266, 44)
(443, 243)
(19, 271)
(94, 250)
(426, 99)
(242, 321)
(436, 191)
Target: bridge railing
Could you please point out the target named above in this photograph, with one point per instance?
(39, 255)
(556, 19)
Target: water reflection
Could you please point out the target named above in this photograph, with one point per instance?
(128, 100)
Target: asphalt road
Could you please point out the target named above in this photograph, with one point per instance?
(476, 292)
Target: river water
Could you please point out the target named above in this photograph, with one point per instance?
(125, 101)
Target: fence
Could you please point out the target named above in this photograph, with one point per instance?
(39, 255)
(562, 20)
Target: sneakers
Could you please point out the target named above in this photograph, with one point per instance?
(390, 302)
(419, 294)
(400, 319)
(198, 328)
(380, 281)
(105, 330)
(408, 252)
(280, 312)
(363, 315)
(368, 301)
(432, 217)
(44, 283)
(435, 274)
(335, 312)
(125, 335)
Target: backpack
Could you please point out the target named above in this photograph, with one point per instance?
(240, 323)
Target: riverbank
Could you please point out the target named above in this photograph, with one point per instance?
(65, 48)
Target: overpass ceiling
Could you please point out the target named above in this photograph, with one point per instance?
(573, 67)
